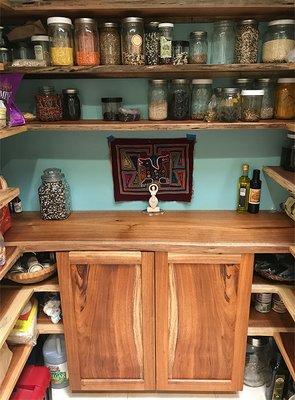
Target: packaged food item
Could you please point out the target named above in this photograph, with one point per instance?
(2, 114)
(9, 84)
(25, 329)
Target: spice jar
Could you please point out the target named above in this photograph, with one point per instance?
(244, 83)
(267, 105)
(54, 195)
(166, 35)
(48, 104)
(110, 108)
(288, 153)
(158, 102)
(86, 42)
(229, 107)
(246, 47)
(71, 105)
(201, 95)
(180, 49)
(179, 106)
(251, 104)
(110, 44)
(133, 51)
(41, 48)
(285, 98)
(279, 41)
(152, 43)
(256, 368)
(61, 41)
(223, 43)
(198, 47)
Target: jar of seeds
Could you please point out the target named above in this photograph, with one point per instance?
(246, 47)
(198, 47)
(180, 50)
(251, 105)
(158, 102)
(54, 195)
(166, 33)
(152, 43)
(229, 106)
(132, 40)
(279, 41)
(179, 107)
(201, 95)
(267, 105)
(110, 44)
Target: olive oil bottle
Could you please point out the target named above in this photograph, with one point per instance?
(243, 189)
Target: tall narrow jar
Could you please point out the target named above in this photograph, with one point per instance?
(246, 47)
(110, 44)
(86, 42)
(133, 48)
(61, 41)
(152, 43)
(158, 102)
(223, 43)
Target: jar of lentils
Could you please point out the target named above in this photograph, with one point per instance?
(158, 102)
(48, 104)
(201, 95)
(179, 106)
(110, 44)
(86, 42)
(133, 49)
(198, 47)
(279, 41)
(246, 47)
(229, 106)
(61, 41)
(166, 36)
(267, 105)
(152, 43)
(54, 195)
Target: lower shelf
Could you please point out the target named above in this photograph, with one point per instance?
(270, 323)
(45, 326)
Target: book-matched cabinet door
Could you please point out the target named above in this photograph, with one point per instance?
(108, 313)
(202, 311)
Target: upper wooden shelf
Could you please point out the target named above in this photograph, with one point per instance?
(6, 195)
(7, 132)
(12, 255)
(285, 179)
(269, 324)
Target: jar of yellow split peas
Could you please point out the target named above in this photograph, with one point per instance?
(61, 41)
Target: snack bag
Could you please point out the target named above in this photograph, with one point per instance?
(25, 329)
(9, 84)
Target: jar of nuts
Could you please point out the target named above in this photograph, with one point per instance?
(246, 47)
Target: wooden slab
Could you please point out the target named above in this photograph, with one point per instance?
(7, 132)
(12, 255)
(49, 285)
(45, 326)
(269, 324)
(6, 195)
(286, 345)
(286, 179)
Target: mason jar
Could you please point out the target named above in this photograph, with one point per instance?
(71, 105)
(223, 43)
(246, 47)
(201, 95)
(256, 368)
(110, 44)
(180, 49)
(285, 99)
(251, 101)
(179, 105)
(229, 106)
(86, 42)
(279, 41)
(132, 41)
(61, 41)
(48, 104)
(166, 37)
(158, 100)
(152, 43)
(198, 47)
(267, 105)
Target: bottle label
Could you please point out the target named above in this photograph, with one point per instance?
(165, 47)
(278, 387)
(242, 196)
(38, 49)
(136, 40)
(254, 196)
(59, 373)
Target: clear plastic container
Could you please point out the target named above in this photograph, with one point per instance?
(179, 105)
(110, 44)
(288, 153)
(41, 48)
(279, 41)
(48, 105)
(230, 106)
(251, 104)
(267, 105)
(61, 41)
(223, 43)
(201, 95)
(86, 42)
(198, 47)
(166, 37)
(152, 43)
(285, 99)
(246, 47)
(132, 41)
(180, 50)
(110, 108)
(158, 100)
(256, 368)
(55, 358)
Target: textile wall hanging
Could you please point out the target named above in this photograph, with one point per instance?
(137, 163)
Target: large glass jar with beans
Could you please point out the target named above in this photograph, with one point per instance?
(246, 47)
(152, 43)
(179, 104)
(48, 104)
(132, 40)
(166, 37)
(201, 95)
(158, 101)
(110, 44)
(61, 41)
(86, 42)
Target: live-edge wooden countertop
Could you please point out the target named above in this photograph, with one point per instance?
(190, 231)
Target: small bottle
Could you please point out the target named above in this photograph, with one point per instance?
(17, 205)
(254, 192)
(243, 186)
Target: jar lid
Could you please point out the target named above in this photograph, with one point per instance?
(229, 90)
(70, 91)
(166, 25)
(263, 80)
(179, 81)
(132, 19)
(46, 89)
(40, 38)
(85, 21)
(59, 20)
(243, 80)
(282, 22)
(202, 81)
(248, 22)
(253, 92)
(286, 80)
(198, 33)
(111, 99)
(257, 341)
(110, 25)
(223, 22)
(52, 175)
(157, 81)
(4, 48)
(291, 136)
(153, 23)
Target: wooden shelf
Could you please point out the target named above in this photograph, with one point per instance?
(286, 345)
(7, 132)
(292, 250)
(285, 179)
(269, 324)
(45, 326)
(12, 255)
(6, 195)
(49, 285)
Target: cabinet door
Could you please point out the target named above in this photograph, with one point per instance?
(202, 309)
(108, 312)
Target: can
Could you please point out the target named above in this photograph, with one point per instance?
(263, 302)
(278, 305)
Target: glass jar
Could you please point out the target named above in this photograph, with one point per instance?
(2, 40)
(41, 48)
(152, 43)
(246, 47)
(86, 42)
(22, 50)
(279, 41)
(132, 41)
(288, 153)
(166, 36)
(267, 105)
(4, 55)
(48, 104)
(110, 108)
(179, 105)
(244, 83)
(54, 195)
(71, 105)
(251, 101)
(213, 109)
(110, 44)
(158, 101)
(61, 41)
(285, 99)
(198, 47)
(256, 368)
(201, 95)
(180, 49)
(223, 43)
(229, 108)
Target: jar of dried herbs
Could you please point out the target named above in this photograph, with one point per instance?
(229, 107)
(180, 49)
(201, 95)
(285, 99)
(166, 36)
(110, 44)
(179, 106)
(48, 104)
(132, 36)
(246, 47)
(251, 104)
(198, 47)
(267, 105)
(152, 43)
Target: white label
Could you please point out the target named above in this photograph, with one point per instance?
(243, 192)
(39, 55)
(59, 373)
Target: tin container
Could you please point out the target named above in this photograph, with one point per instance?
(263, 302)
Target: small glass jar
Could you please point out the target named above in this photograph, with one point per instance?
(267, 105)
(229, 108)
(132, 41)
(288, 153)
(198, 47)
(86, 42)
(251, 101)
(243, 83)
(166, 36)
(158, 101)
(4, 55)
(256, 368)
(152, 43)
(180, 49)
(110, 44)
(246, 47)
(285, 99)
(223, 43)
(279, 41)
(201, 95)
(23, 50)
(213, 108)
(61, 41)
(110, 108)
(48, 104)
(41, 48)
(54, 195)
(179, 105)
(71, 105)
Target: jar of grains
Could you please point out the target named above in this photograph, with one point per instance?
(179, 105)
(229, 106)
(223, 43)
(201, 95)
(54, 195)
(41, 48)
(267, 106)
(158, 102)
(152, 43)
(246, 48)
(198, 47)
(48, 104)
(110, 44)
(251, 101)
(166, 35)
(180, 49)
(86, 42)
(61, 41)
(279, 41)
(285, 98)
(132, 40)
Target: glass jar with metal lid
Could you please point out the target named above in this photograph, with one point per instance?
(71, 105)
(244, 83)
(152, 43)
(246, 47)
(111, 107)
(48, 104)
(229, 106)
(198, 47)
(110, 44)
(4, 55)
(132, 41)
(279, 41)
(158, 100)
(166, 37)
(223, 43)
(41, 48)
(179, 105)
(267, 105)
(256, 368)
(285, 98)
(201, 95)
(86, 42)
(61, 41)
(180, 49)
(251, 101)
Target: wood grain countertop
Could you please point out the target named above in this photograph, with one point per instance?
(191, 231)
